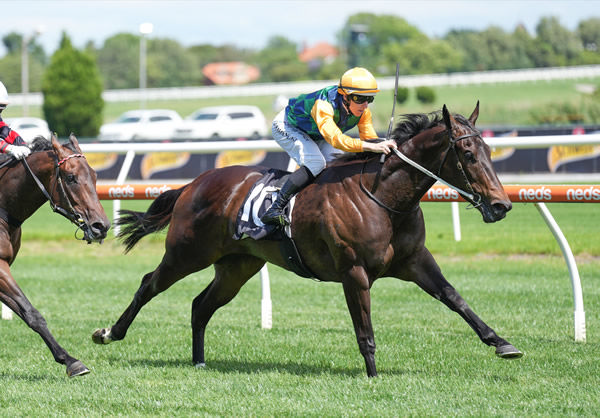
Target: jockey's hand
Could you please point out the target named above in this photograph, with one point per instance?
(384, 147)
(18, 151)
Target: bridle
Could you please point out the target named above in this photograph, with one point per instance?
(69, 212)
(473, 197)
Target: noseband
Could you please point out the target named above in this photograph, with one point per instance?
(476, 198)
(70, 212)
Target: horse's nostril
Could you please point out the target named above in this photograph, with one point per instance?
(100, 227)
(502, 207)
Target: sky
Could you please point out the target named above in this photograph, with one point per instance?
(250, 23)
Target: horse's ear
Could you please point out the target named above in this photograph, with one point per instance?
(448, 119)
(55, 144)
(475, 114)
(74, 142)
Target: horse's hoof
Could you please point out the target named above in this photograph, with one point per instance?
(508, 351)
(200, 365)
(102, 336)
(77, 369)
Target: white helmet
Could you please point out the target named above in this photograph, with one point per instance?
(3, 96)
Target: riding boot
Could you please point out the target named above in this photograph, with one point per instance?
(296, 182)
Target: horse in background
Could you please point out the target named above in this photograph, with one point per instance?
(58, 173)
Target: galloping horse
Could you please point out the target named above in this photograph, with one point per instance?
(360, 220)
(60, 174)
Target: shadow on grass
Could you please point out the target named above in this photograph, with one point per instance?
(33, 378)
(255, 367)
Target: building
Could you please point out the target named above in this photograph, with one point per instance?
(228, 73)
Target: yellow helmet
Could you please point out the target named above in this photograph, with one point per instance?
(359, 81)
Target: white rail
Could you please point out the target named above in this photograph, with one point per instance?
(293, 88)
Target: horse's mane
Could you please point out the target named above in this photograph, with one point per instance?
(39, 143)
(410, 125)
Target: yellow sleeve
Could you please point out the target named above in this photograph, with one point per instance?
(365, 126)
(322, 113)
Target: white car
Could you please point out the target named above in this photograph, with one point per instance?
(29, 128)
(218, 122)
(135, 125)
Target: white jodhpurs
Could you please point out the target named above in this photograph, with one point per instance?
(307, 152)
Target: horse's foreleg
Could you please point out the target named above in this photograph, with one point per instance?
(12, 296)
(152, 284)
(231, 273)
(428, 276)
(358, 299)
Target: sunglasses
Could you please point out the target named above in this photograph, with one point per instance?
(358, 99)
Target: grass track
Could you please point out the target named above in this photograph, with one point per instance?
(430, 362)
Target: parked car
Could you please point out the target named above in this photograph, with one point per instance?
(219, 122)
(134, 125)
(29, 128)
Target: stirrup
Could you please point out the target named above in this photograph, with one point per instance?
(275, 219)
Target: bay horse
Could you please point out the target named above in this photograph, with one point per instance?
(360, 220)
(58, 173)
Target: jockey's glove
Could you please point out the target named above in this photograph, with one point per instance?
(18, 151)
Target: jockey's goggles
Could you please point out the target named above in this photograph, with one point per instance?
(358, 99)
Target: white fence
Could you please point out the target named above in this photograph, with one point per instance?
(293, 88)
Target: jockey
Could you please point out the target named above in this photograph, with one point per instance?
(10, 141)
(311, 130)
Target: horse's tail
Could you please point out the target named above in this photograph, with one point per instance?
(136, 225)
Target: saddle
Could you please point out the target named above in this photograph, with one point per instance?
(249, 226)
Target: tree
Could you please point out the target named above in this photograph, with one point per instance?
(72, 92)
(557, 44)
(118, 61)
(279, 61)
(366, 35)
(169, 65)
(423, 56)
(10, 65)
(205, 54)
(589, 34)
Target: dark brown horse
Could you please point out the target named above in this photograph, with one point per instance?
(360, 220)
(69, 183)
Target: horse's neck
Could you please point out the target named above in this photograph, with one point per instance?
(426, 152)
(21, 196)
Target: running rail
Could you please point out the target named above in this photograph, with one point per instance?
(539, 195)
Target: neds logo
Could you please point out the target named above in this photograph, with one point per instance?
(156, 191)
(442, 193)
(589, 193)
(122, 192)
(543, 193)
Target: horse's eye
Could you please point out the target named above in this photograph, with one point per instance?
(70, 179)
(470, 157)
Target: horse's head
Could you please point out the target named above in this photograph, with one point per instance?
(467, 164)
(74, 191)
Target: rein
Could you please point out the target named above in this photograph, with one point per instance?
(70, 214)
(474, 197)
(374, 198)
(471, 195)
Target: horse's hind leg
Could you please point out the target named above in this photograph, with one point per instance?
(152, 284)
(426, 273)
(12, 295)
(231, 273)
